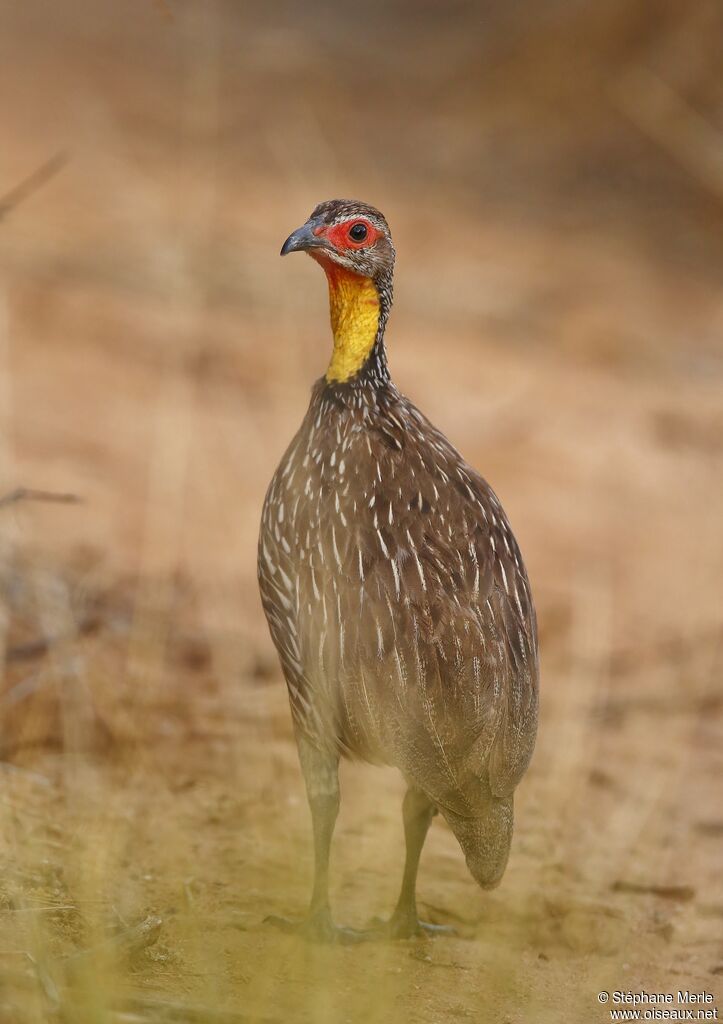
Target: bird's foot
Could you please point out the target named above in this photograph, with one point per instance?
(405, 924)
(318, 927)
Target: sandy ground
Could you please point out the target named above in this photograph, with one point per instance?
(155, 358)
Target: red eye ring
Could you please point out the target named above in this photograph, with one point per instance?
(341, 236)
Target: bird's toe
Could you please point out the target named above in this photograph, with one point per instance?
(317, 927)
(407, 925)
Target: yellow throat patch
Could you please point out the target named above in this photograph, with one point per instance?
(354, 313)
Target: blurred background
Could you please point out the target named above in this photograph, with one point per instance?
(552, 172)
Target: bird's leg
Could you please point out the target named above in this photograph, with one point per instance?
(404, 923)
(320, 770)
(322, 789)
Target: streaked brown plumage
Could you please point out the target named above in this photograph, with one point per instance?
(394, 590)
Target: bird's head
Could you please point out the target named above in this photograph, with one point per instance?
(351, 241)
(349, 234)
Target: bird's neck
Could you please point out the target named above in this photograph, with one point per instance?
(358, 311)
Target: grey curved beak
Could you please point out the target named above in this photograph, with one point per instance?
(303, 239)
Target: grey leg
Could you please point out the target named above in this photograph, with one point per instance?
(418, 812)
(320, 772)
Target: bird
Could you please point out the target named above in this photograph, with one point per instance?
(395, 594)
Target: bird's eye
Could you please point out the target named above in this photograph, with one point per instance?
(358, 232)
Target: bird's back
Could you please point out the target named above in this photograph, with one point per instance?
(398, 601)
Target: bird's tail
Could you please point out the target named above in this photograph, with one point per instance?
(485, 840)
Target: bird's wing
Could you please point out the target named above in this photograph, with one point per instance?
(462, 608)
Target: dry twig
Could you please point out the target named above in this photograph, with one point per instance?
(30, 494)
(31, 184)
(668, 892)
(666, 117)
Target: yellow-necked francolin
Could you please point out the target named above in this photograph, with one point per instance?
(394, 590)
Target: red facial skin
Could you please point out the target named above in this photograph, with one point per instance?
(339, 236)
